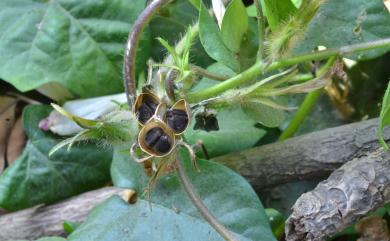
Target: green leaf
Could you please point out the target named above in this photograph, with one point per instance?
(212, 41)
(277, 11)
(82, 122)
(251, 11)
(37, 178)
(170, 24)
(340, 23)
(78, 44)
(384, 118)
(116, 220)
(126, 173)
(171, 50)
(249, 45)
(195, 3)
(264, 114)
(70, 227)
(234, 25)
(51, 239)
(297, 3)
(228, 196)
(277, 221)
(235, 132)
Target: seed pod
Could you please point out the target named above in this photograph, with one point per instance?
(178, 117)
(160, 112)
(145, 107)
(156, 138)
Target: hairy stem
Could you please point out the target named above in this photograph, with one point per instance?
(300, 78)
(132, 46)
(261, 29)
(205, 73)
(258, 68)
(189, 189)
(180, 46)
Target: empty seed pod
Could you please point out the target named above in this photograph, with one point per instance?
(145, 107)
(178, 117)
(156, 138)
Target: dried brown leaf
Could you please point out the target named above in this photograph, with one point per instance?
(7, 120)
(16, 142)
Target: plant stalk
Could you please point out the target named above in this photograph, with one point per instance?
(132, 46)
(189, 189)
(258, 68)
(179, 47)
(301, 114)
(205, 73)
(307, 105)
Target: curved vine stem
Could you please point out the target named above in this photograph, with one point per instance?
(189, 189)
(132, 46)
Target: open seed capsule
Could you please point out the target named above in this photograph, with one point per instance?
(178, 117)
(156, 138)
(160, 112)
(145, 106)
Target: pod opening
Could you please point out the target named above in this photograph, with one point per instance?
(158, 141)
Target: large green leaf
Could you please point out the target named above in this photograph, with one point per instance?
(211, 39)
(340, 23)
(79, 44)
(228, 196)
(384, 118)
(234, 25)
(37, 178)
(277, 11)
(249, 45)
(125, 172)
(117, 220)
(264, 114)
(236, 132)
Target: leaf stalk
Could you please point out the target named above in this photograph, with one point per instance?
(203, 210)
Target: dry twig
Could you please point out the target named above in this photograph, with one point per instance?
(352, 191)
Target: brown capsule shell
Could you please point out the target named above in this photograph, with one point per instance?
(178, 118)
(156, 138)
(160, 112)
(145, 107)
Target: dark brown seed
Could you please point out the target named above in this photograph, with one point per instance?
(177, 120)
(158, 141)
(146, 110)
(206, 121)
